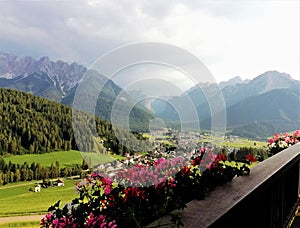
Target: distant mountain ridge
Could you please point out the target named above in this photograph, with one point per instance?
(233, 81)
(58, 81)
(272, 98)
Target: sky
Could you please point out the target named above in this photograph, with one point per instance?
(231, 38)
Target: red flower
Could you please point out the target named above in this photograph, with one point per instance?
(250, 158)
(134, 192)
(221, 157)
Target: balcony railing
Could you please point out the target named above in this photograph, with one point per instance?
(268, 197)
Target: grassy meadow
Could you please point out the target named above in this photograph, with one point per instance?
(16, 199)
(238, 143)
(65, 158)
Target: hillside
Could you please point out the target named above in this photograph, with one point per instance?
(270, 99)
(30, 124)
(275, 111)
(274, 106)
(59, 80)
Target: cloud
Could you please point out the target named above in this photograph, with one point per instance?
(232, 38)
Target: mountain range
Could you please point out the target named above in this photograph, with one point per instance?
(59, 80)
(41, 77)
(270, 101)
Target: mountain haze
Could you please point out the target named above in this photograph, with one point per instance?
(272, 98)
(59, 80)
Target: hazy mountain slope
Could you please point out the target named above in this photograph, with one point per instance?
(37, 83)
(271, 97)
(236, 90)
(273, 106)
(261, 84)
(58, 81)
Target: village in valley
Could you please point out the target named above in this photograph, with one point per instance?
(165, 142)
(170, 143)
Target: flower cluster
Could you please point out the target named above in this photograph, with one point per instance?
(58, 218)
(144, 175)
(282, 141)
(250, 158)
(144, 191)
(99, 221)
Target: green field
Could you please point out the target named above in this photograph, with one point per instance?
(238, 143)
(27, 224)
(235, 143)
(16, 199)
(65, 158)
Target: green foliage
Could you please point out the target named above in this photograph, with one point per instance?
(240, 154)
(34, 125)
(35, 171)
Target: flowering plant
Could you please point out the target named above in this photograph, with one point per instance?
(144, 191)
(60, 218)
(282, 141)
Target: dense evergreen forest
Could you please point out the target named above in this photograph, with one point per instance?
(30, 124)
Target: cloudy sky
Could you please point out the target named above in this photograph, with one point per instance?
(232, 38)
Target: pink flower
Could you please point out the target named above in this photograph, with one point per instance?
(55, 222)
(107, 190)
(99, 221)
(270, 141)
(297, 134)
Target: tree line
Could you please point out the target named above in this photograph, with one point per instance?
(11, 172)
(31, 125)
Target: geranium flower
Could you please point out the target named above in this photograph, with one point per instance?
(221, 157)
(250, 158)
(282, 141)
(134, 192)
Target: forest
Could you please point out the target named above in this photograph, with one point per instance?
(31, 125)
(11, 173)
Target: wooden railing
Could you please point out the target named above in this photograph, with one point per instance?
(268, 197)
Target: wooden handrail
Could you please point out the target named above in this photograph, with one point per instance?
(266, 198)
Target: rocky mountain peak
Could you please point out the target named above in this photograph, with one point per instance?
(232, 82)
(44, 60)
(64, 76)
(271, 80)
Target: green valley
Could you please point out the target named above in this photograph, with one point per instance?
(16, 199)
